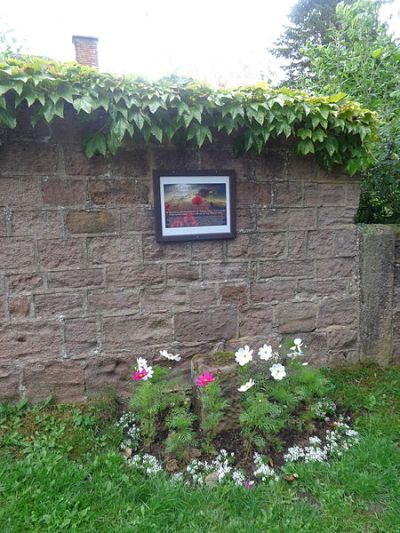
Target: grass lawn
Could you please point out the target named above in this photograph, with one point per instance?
(60, 471)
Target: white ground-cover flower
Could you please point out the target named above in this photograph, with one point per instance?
(146, 463)
(246, 386)
(278, 371)
(244, 355)
(263, 470)
(265, 352)
(170, 356)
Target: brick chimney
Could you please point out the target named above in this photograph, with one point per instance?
(86, 50)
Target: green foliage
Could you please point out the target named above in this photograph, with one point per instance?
(116, 110)
(362, 60)
(311, 21)
(213, 407)
(149, 400)
(181, 436)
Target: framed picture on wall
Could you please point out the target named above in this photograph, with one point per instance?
(195, 205)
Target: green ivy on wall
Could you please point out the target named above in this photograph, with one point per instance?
(337, 130)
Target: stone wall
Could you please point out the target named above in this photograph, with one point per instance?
(85, 288)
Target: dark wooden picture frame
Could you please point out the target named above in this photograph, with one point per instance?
(194, 205)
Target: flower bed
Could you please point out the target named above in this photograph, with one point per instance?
(282, 414)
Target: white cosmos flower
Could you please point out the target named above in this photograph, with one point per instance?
(265, 352)
(244, 356)
(277, 371)
(141, 363)
(170, 356)
(149, 374)
(246, 386)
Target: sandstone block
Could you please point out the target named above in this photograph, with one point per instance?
(157, 251)
(28, 158)
(207, 251)
(128, 332)
(58, 305)
(92, 222)
(61, 253)
(294, 317)
(324, 194)
(279, 290)
(272, 269)
(342, 338)
(77, 164)
(178, 272)
(16, 253)
(203, 296)
(117, 191)
(17, 283)
(106, 250)
(9, 383)
(246, 219)
(74, 279)
(255, 321)
(342, 312)
(258, 245)
(132, 162)
(80, 337)
(216, 324)
(253, 192)
(154, 300)
(63, 192)
(63, 379)
(21, 192)
(138, 218)
(234, 294)
(103, 375)
(286, 218)
(19, 307)
(113, 302)
(134, 276)
(320, 288)
(33, 340)
(287, 193)
(225, 271)
(335, 216)
(38, 223)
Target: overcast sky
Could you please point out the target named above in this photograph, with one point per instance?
(217, 40)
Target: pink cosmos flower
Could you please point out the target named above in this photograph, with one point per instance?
(204, 379)
(139, 374)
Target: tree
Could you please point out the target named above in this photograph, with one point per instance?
(311, 22)
(363, 60)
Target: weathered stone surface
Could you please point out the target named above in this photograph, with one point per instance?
(21, 192)
(225, 271)
(134, 276)
(16, 254)
(3, 222)
(132, 162)
(138, 219)
(81, 337)
(377, 252)
(253, 193)
(324, 194)
(353, 194)
(61, 253)
(154, 300)
(63, 379)
(272, 269)
(113, 302)
(171, 251)
(297, 244)
(295, 317)
(246, 219)
(287, 193)
(254, 322)
(74, 279)
(334, 312)
(319, 288)
(342, 267)
(258, 245)
(109, 374)
(178, 272)
(208, 250)
(29, 283)
(286, 218)
(92, 222)
(342, 338)
(271, 290)
(335, 216)
(118, 191)
(9, 383)
(332, 243)
(63, 192)
(300, 167)
(106, 250)
(19, 307)
(126, 333)
(216, 324)
(36, 223)
(28, 158)
(58, 305)
(77, 164)
(33, 340)
(237, 294)
(203, 296)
